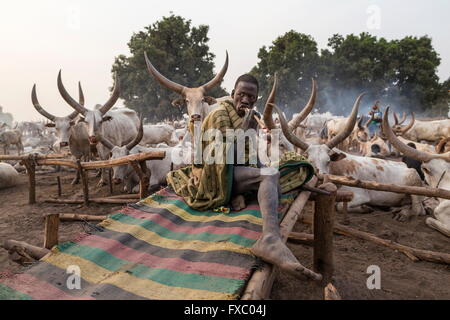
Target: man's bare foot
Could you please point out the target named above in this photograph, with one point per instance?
(271, 249)
(238, 203)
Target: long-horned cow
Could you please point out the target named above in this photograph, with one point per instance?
(431, 131)
(70, 132)
(198, 105)
(436, 168)
(158, 168)
(118, 125)
(329, 160)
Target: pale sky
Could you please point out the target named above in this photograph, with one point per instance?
(81, 37)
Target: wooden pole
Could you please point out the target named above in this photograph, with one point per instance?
(111, 189)
(146, 181)
(51, 230)
(412, 253)
(31, 170)
(94, 200)
(22, 252)
(80, 217)
(372, 185)
(323, 232)
(84, 181)
(143, 178)
(58, 180)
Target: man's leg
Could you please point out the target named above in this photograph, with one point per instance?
(270, 246)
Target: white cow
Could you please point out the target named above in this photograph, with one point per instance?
(327, 159)
(11, 137)
(176, 157)
(436, 168)
(9, 177)
(154, 134)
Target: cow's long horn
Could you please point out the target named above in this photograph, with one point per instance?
(294, 123)
(395, 119)
(74, 114)
(409, 126)
(407, 150)
(38, 107)
(66, 96)
(288, 133)
(106, 142)
(441, 145)
(218, 78)
(403, 118)
(267, 115)
(178, 88)
(114, 96)
(349, 125)
(138, 137)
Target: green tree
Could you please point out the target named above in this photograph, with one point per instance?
(294, 56)
(179, 51)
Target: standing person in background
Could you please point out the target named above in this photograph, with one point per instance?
(377, 116)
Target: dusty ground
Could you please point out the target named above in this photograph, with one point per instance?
(400, 277)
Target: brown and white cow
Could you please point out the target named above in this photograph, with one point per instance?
(328, 159)
(436, 168)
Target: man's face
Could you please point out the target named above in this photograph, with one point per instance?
(244, 97)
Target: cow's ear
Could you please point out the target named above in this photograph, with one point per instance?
(50, 125)
(179, 102)
(106, 118)
(210, 100)
(336, 156)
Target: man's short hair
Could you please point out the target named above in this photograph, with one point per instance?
(247, 78)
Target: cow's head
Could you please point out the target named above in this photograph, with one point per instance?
(376, 147)
(121, 172)
(194, 98)
(434, 166)
(62, 125)
(362, 131)
(321, 155)
(443, 146)
(400, 129)
(93, 118)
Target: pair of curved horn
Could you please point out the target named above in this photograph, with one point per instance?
(405, 129)
(131, 144)
(407, 150)
(401, 121)
(47, 114)
(178, 88)
(349, 125)
(295, 122)
(80, 107)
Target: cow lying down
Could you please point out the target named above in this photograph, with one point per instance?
(9, 177)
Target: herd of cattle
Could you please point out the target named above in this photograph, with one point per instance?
(335, 145)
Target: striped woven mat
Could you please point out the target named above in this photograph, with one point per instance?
(158, 248)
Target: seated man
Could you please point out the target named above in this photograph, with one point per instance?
(207, 186)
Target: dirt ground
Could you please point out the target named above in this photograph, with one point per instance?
(401, 278)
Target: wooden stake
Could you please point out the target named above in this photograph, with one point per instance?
(323, 232)
(85, 182)
(111, 189)
(94, 200)
(51, 230)
(302, 238)
(58, 180)
(31, 170)
(330, 293)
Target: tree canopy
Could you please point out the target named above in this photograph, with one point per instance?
(179, 51)
(398, 72)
